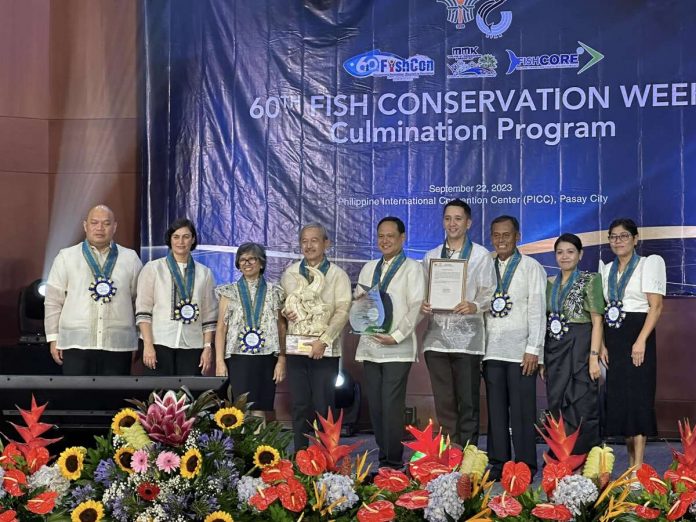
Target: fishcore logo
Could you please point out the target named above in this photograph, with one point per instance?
(389, 65)
(467, 62)
(461, 12)
(555, 60)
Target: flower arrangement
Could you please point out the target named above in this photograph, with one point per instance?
(176, 458)
(30, 488)
(171, 458)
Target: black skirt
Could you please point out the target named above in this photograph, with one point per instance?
(253, 374)
(630, 389)
(569, 389)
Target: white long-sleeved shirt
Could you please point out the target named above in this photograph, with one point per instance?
(155, 305)
(335, 294)
(74, 320)
(523, 330)
(463, 333)
(407, 291)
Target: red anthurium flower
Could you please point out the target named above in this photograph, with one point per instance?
(7, 459)
(13, 482)
(311, 461)
(264, 498)
(505, 506)
(646, 512)
(278, 473)
(553, 472)
(36, 457)
(650, 480)
(427, 471)
(516, 477)
(380, 511)
(9, 516)
(43, 503)
(391, 480)
(679, 508)
(414, 499)
(552, 512)
(148, 491)
(292, 495)
(682, 475)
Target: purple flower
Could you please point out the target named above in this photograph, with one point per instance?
(106, 472)
(81, 494)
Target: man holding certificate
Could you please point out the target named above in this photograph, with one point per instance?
(388, 346)
(317, 304)
(515, 330)
(461, 282)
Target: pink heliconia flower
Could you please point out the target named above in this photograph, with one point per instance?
(139, 461)
(166, 420)
(168, 461)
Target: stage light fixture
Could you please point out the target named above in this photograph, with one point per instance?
(348, 399)
(340, 380)
(31, 313)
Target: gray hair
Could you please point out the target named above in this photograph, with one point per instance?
(321, 228)
(251, 248)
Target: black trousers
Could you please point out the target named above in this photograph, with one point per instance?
(96, 362)
(386, 396)
(456, 382)
(511, 405)
(312, 386)
(175, 361)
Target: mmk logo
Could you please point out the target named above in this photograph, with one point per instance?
(467, 62)
(461, 12)
(389, 65)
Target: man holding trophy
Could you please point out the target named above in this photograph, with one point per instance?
(388, 300)
(317, 304)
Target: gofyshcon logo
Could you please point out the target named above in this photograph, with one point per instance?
(461, 12)
(555, 60)
(389, 65)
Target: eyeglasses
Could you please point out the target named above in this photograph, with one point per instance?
(248, 260)
(622, 237)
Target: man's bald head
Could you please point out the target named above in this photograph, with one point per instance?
(100, 226)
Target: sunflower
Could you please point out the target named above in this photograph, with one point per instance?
(124, 419)
(266, 456)
(219, 516)
(71, 462)
(191, 463)
(229, 418)
(123, 458)
(89, 511)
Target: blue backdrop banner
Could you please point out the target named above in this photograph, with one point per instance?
(259, 117)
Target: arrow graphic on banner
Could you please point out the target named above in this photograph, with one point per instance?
(596, 57)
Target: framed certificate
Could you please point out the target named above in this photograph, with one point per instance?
(301, 344)
(446, 283)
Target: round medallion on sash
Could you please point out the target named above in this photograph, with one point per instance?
(251, 340)
(614, 314)
(557, 326)
(102, 289)
(186, 312)
(500, 305)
